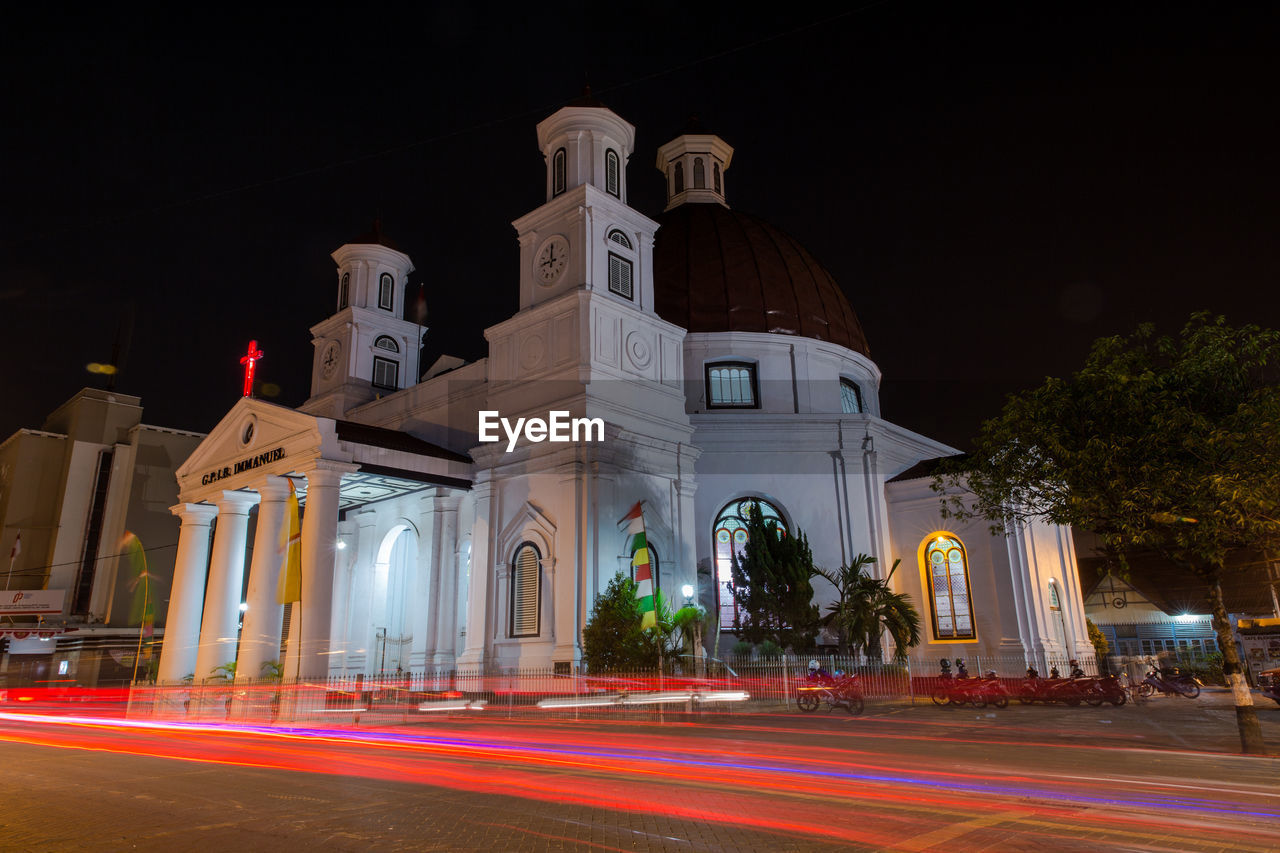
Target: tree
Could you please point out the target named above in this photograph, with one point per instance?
(613, 638)
(771, 585)
(1168, 444)
(1098, 639)
(866, 608)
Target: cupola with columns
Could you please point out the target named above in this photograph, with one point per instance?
(694, 164)
(366, 348)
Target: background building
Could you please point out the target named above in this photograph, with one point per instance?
(70, 490)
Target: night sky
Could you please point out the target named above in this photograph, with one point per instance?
(994, 186)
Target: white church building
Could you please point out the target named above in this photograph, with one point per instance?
(703, 361)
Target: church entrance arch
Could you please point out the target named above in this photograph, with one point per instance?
(395, 575)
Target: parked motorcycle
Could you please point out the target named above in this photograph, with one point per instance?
(842, 691)
(1171, 683)
(979, 692)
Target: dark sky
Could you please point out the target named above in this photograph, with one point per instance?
(994, 186)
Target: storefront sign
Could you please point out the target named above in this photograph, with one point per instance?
(264, 458)
(28, 602)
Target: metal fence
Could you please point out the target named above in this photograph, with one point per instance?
(696, 687)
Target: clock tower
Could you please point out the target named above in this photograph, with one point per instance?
(366, 349)
(585, 236)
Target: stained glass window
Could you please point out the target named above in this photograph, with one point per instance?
(949, 589)
(729, 536)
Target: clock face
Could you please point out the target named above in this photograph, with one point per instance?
(549, 263)
(329, 359)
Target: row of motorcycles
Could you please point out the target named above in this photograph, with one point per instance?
(1075, 689)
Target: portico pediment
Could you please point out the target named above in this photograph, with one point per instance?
(253, 440)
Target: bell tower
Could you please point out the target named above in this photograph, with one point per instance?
(366, 349)
(585, 236)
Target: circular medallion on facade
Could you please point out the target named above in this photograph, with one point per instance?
(638, 349)
(532, 350)
(246, 433)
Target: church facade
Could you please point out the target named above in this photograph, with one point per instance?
(466, 514)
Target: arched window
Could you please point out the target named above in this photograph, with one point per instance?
(1056, 622)
(558, 181)
(611, 172)
(621, 239)
(850, 397)
(729, 536)
(715, 173)
(679, 178)
(653, 563)
(387, 343)
(344, 291)
(386, 289)
(526, 591)
(949, 595)
(699, 174)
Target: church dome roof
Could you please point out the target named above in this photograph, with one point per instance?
(719, 270)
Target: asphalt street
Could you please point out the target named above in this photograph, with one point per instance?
(1161, 776)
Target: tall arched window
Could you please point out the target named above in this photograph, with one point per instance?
(344, 292)
(715, 171)
(949, 595)
(728, 536)
(1056, 622)
(679, 178)
(386, 289)
(558, 165)
(611, 183)
(526, 591)
(699, 174)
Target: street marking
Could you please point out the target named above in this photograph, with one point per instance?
(946, 833)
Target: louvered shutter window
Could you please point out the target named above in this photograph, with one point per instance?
(611, 172)
(525, 576)
(385, 287)
(620, 276)
(558, 182)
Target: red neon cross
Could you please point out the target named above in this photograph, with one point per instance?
(249, 360)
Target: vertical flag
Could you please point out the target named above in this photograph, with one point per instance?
(142, 610)
(639, 548)
(290, 585)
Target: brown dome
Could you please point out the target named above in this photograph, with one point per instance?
(718, 270)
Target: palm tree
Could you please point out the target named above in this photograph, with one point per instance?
(866, 608)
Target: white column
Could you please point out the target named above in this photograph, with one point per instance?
(482, 565)
(319, 542)
(218, 630)
(182, 623)
(444, 556)
(360, 640)
(260, 636)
